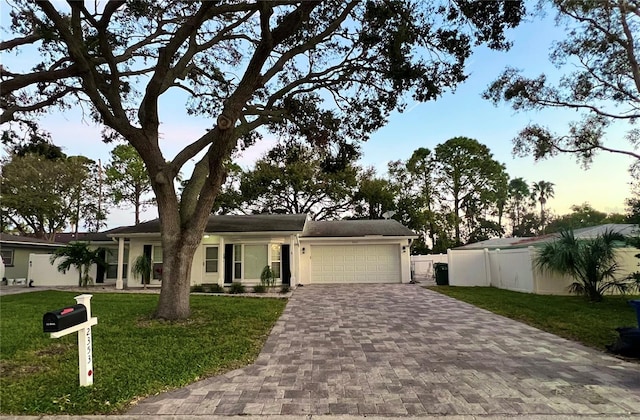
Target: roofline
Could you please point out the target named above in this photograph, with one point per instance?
(45, 244)
(253, 233)
(351, 238)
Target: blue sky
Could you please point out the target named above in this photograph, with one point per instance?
(462, 113)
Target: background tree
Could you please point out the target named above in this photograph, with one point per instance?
(541, 191)
(39, 146)
(592, 263)
(298, 178)
(633, 202)
(470, 180)
(414, 197)
(529, 226)
(518, 196)
(245, 65)
(127, 179)
(421, 168)
(42, 196)
(581, 216)
(375, 196)
(80, 256)
(602, 50)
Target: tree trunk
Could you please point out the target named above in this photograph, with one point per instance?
(176, 277)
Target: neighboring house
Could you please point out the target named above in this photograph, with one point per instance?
(509, 263)
(15, 251)
(106, 275)
(300, 251)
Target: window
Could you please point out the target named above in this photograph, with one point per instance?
(211, 259)
(156, 263)
(276, 259)
(255, 259)
(237, 262)
(111, 258)
(7, 257)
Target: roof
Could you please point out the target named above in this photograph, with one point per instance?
(229, 224)
(66, 237)
(27, 241)
(355, 228)
(582, 233)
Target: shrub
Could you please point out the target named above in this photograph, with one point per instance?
(591, 262)
(236, 288)
(216, 288)
(259, 288)
(285, 289)
(197, 288)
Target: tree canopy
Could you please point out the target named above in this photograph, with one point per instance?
(318, 71)
(41, 196)
(295, 178)
(472, 181)
(602, 81)
(127, 179)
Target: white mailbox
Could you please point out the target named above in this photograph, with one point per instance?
(76, 318)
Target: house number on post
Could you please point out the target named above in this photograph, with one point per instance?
(76, 318)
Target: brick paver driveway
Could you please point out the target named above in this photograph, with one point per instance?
(404, 350)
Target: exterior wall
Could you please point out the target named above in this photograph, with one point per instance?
(136, 248)
(266, 240)
(198, 272)
(20, 268)
(43, 273)
(306, 245)
(422, 265)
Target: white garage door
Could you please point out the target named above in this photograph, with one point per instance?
(355, 264)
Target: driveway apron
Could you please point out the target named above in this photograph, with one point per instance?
(398, 350)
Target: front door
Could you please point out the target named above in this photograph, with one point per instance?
(228, 263)
(100, 268)
(286, 265)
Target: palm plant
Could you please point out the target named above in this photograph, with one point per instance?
(78, 255)
(542, 191)
(142, 268)
(267, 277)
(592, 263)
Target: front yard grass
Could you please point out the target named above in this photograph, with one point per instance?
(572, 317)
(134, 355)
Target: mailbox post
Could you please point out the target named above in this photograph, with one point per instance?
(76, 318)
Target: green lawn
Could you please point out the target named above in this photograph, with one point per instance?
(134, 356)
(572, 317)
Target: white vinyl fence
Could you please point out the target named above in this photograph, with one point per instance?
(514, 269)
(422, 266)
(43, 273)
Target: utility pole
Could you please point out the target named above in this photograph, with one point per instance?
(99, 215)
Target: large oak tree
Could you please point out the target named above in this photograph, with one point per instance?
(314, 70)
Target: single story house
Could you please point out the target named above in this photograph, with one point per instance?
(15, 251)
(299, 250)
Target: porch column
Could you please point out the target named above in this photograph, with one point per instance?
(119, 282)
(294, 264)
(221, 262)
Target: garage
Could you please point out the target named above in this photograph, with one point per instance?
(355, 263)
